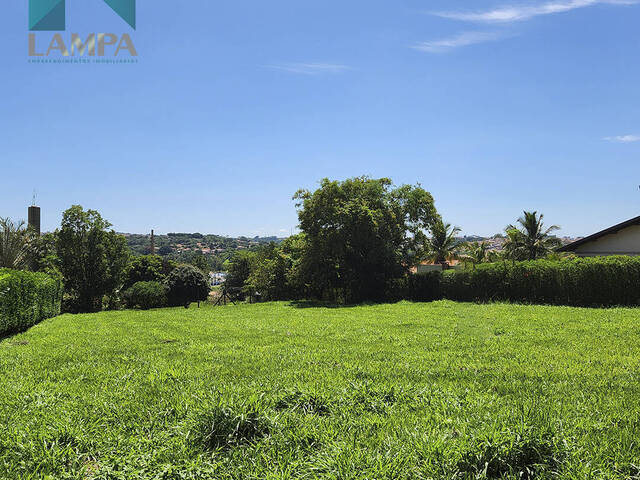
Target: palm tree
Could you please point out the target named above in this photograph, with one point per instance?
(530, 239)
(475, 253)
(443, 245)
(13, 244)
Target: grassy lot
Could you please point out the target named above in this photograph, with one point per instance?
(404, 391)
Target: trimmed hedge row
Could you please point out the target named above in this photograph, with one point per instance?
(27, 298)
(583, 282)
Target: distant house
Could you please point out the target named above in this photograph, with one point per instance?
(621, 239)
(217, 278)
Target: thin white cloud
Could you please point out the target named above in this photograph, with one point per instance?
(463, 39)
(508, 14)
(311, 68)
(623, 138)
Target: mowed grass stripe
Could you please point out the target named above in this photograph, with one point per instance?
(441, 390)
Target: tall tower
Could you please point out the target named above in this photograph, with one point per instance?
(34, 219)
(153, 243)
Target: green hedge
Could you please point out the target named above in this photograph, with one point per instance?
(27, 298)
(585, 282)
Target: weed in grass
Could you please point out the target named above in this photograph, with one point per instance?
(308, 404)
(372, 398)
(524, 454)
(225, 427)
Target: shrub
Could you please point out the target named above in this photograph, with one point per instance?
(583, 282)
(186, 284)
(147, 268)
(27, 298)
(146, 295)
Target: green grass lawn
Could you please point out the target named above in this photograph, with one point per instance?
(273, 391)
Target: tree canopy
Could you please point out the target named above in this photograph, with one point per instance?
(92, 257)
(359, 234)
(530, 239)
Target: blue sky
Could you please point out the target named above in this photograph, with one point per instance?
(492, 106)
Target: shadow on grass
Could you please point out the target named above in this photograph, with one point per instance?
(9, 335)
(320, 304)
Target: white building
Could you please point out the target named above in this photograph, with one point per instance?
(217, 278)
(621, 239)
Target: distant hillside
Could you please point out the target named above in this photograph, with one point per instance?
(182, 247)
(496, 242)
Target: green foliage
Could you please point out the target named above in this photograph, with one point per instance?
(530, 240)
(14, 239)
(360, 234)
(599, 281)
(92, 258)
(270, 275)
(239, 269)
(186, 284)
(524, 454)
(224, 427)
(423, 287)
(147, 268)
(440, 390)
(200, 261)
(146, 295)
(272, 271)
(184, 247)
(443, 245)
(42, 255)
(26, 299)
(475, 253)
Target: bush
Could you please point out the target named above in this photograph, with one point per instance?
(146, 295)
(26, 299)
(147, 268)
(583, 282)
(186, 284)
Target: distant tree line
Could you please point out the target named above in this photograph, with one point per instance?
(359, 237)
(96, 266)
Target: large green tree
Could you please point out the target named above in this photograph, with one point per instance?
(92, 257)
(360, 233)
(530, 239)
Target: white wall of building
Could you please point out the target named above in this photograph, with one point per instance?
(625, 242)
